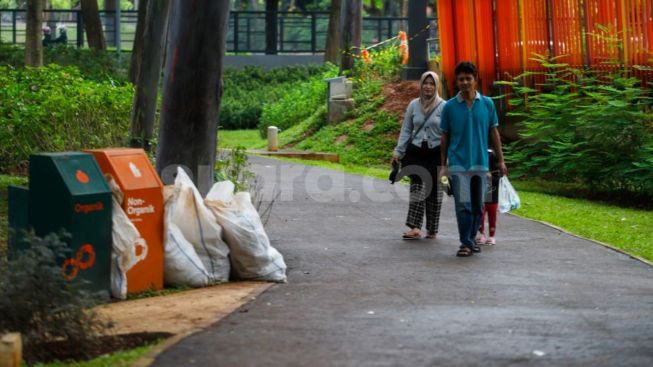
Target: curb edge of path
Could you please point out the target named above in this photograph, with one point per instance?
(148, 358)
(611, 247)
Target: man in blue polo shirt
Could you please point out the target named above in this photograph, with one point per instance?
(469, 120)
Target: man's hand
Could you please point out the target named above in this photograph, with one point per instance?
(442, 171)
(395, 160)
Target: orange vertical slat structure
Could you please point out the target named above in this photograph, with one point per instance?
(535, 33)
(567, 32)
(485, 59)
(447, 44)
(563, 27)
(467, 33)
(508, 38)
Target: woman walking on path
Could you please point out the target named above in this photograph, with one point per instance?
(418, 149)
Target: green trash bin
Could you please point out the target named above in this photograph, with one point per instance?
(18, 199)
(67, 191)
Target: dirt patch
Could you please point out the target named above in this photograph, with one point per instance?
(398, 95)
(341, 138)
(67, 351)
(368, 125)
(181, 312)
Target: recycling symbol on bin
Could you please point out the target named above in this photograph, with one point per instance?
(84, 259)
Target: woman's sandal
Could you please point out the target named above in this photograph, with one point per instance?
(414, 236)
(464, 252)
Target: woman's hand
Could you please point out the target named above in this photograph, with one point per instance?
(503, 169)
(395, 160)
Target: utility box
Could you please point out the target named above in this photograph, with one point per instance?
(143, 203)
(18, 200)
(67, 191)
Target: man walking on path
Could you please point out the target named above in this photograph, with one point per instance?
(469, 120)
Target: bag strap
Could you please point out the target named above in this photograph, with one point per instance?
(425, 120)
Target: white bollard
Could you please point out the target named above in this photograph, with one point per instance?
(273, 138)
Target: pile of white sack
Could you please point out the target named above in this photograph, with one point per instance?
(207, 240)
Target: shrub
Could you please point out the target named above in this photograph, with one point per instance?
(246, 91)
(297, 104)
(585, 126)
(383, 63)
(54, 109)
(93, 65)
(38, 302)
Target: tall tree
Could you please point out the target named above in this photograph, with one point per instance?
(137, 48)
(351, 22)
(332, 49)
(33, 45)
(271, 10)
(144, 110)
(93, 25)
(192, 89)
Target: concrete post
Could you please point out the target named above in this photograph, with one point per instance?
(11, 350)
(273, 138)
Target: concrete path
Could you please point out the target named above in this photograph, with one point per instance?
(359, 296)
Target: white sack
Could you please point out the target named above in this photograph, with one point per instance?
(126, 240)
(186, 210)
(252, 256)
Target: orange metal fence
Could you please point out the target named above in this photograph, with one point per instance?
(501, 36)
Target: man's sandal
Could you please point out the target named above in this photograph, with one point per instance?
(431, 235)
(476, 248)
(464, 252)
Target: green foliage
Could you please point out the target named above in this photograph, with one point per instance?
(54, 109)
(93, 65)
(383, 63)
(298, 103)
(584, 126)
(233, 165)
(38, 302)
(247, 91)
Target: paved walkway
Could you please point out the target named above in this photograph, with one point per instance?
(359, 296)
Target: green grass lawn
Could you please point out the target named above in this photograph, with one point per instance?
(249, 139)
(627, 229)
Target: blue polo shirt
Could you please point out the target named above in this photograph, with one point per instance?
(469, 131)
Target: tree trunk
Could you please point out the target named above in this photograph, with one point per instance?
(332, 49)
(271, 9)
(192, 90)
(351, 32)
(144, 110)
(137, 48)
(110, 21)
(93, 25)
(33, 44)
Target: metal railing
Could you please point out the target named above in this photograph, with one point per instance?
(297, 32)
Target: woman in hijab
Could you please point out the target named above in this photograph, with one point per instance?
(418, 149)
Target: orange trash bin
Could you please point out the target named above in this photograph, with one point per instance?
(143, 203)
